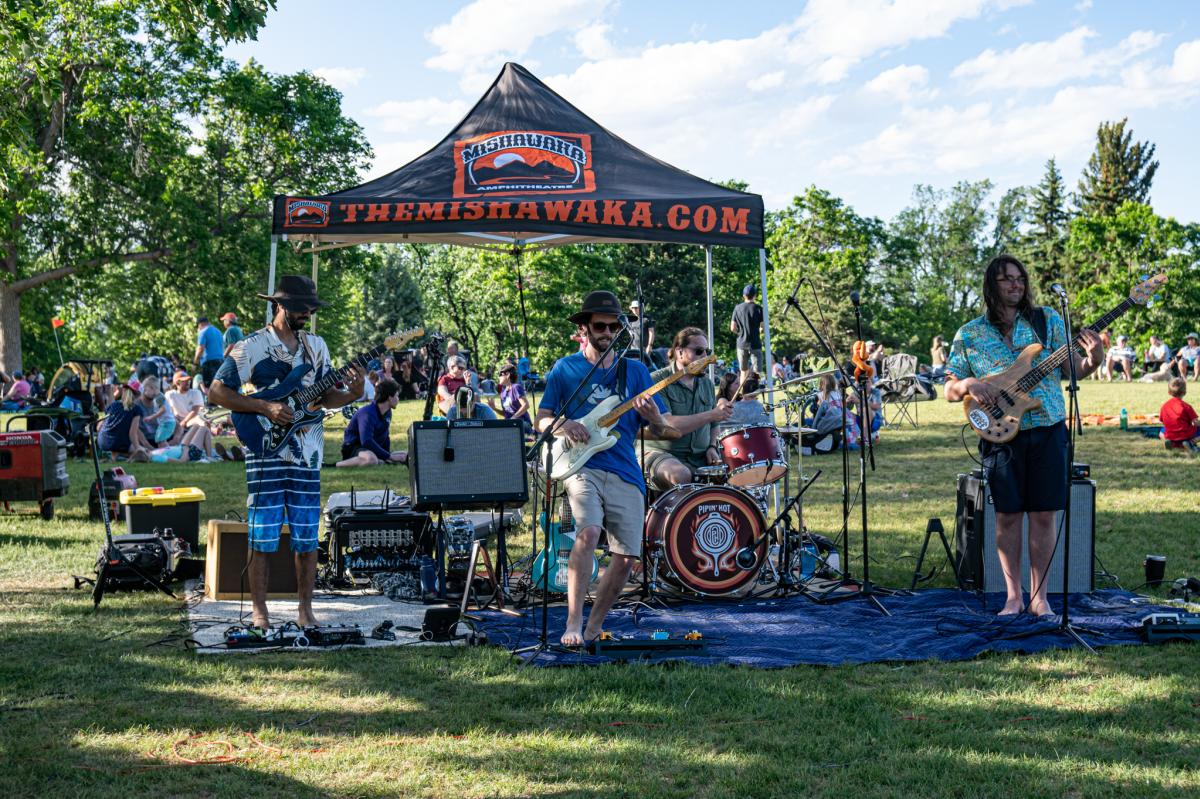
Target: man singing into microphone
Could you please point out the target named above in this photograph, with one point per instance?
(606, 493)
(1028, 474)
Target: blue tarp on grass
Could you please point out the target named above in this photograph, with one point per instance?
(930, 624)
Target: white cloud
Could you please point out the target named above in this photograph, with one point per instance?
(592, 42)
(487, 29)
(901, 84)
(340, 78)
(400, 116)
(1039, 65)
(764, 82)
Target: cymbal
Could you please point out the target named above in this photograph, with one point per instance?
(796, 430)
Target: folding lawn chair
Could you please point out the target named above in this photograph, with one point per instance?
(900, 386)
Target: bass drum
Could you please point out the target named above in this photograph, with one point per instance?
(693, 534)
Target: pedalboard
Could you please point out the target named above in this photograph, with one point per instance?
(1163, 627)
(291, 635)
(660, 642)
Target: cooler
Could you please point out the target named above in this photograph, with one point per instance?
(176, 508)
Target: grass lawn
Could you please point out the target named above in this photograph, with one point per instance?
(88, 707)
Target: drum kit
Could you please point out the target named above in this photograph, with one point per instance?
(694, 532)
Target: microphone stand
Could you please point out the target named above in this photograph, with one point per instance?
(864, 587)
(543, 441)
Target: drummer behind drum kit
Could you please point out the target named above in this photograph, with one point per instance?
(696, 534)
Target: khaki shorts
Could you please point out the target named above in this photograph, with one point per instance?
(602, 499)
(654, 464)
(749, 360)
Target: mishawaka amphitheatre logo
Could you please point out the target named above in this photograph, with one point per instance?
(523, 161)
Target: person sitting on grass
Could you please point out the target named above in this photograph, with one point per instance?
(366, 441)
(1187, 360)
(17, 395)
(158, 422)
(121, 433)
(1181, 426)
(195, 447)
(1120, 360)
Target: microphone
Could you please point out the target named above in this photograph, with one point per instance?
(790, 301)
(624, 320)
(746, 559)
(1057, 289)
(855, 298)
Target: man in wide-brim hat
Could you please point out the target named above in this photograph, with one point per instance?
(607, 492)
(284, 488)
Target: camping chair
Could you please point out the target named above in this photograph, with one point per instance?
(900, 386)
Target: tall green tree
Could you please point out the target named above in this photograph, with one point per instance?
(1044, 247)
(1119, 170)
(143, 166)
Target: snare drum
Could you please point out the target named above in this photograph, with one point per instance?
(712, 475)
(753, 455)
(693, 534)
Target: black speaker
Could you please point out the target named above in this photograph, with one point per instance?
(467, 464)
(975, 539)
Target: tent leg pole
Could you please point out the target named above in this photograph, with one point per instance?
(271, 274)
(708, 279)
(762, 292)
(314, 278)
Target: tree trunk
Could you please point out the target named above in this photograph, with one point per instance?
(10, 329)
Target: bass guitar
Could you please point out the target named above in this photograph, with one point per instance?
(1001, 422)
(569, 457)
(562, 539)
(265, 438)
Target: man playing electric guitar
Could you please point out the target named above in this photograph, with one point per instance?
(1027, 475)
(606, 493)
(285, 488)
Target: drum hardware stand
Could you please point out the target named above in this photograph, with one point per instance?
(934, 525)
(1064, 626)
(543, 443)
(746, 558)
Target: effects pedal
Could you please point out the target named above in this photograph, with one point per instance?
(660, 642)
(1163, 627)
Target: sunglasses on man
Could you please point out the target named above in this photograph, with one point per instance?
(611, 327)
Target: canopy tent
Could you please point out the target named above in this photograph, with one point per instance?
(526, 170)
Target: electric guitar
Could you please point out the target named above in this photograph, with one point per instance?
(562, 539)
(569, 457)
(1002, 421)
(265, 438)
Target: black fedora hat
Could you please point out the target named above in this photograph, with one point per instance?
(296, 293)
(597, 302)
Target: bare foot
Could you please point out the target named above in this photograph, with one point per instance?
(572, 637)
(590, 635)
(305, 618)
(1040, 607)
(1011, 608)
(260, 621)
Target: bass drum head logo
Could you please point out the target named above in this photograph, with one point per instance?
(306, 213)
(523, 162)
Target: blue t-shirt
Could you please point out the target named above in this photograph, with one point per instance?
(114, 433)
(619, 459)
(213, 343)
(369, 430)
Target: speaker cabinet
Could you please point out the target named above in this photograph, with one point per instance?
(468, 464)
(226, 576)
(975, 539)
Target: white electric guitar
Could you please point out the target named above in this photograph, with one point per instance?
(569, 456)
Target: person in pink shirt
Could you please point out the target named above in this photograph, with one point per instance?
(17, 394)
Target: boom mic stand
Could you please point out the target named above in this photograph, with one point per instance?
(864, 587)
(543, 441)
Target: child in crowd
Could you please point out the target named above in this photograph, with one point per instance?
(1181, 427)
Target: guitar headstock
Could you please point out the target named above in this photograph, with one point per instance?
(1144, 292)
(398, 340)
(697, 367)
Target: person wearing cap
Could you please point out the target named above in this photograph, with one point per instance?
(283, 488)
(747, 322)
(187, 405)
(608, 491)
(514, 403)
(641, 335)
(1120, 359)
(120, 433)
(1188, 358)
(233, 333)
(1027, 475)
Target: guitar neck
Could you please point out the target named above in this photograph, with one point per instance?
(616, 413)
(311, 394)
(1056, 359)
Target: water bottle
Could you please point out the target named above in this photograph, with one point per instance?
(428, 575)
(1124, 419)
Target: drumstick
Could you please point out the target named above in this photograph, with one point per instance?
(738, 393)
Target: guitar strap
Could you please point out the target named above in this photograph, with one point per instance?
(1037, 319)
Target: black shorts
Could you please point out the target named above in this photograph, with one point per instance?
(1029, 473)
(350, 450)
(208, 370)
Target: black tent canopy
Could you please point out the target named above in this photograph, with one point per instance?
(526, 170)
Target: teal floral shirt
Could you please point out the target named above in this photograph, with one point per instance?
(979, 350)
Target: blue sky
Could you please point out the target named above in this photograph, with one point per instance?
(864, 98)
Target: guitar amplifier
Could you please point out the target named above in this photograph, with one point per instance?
(467, 464)
(975, 539)
(226, 576)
